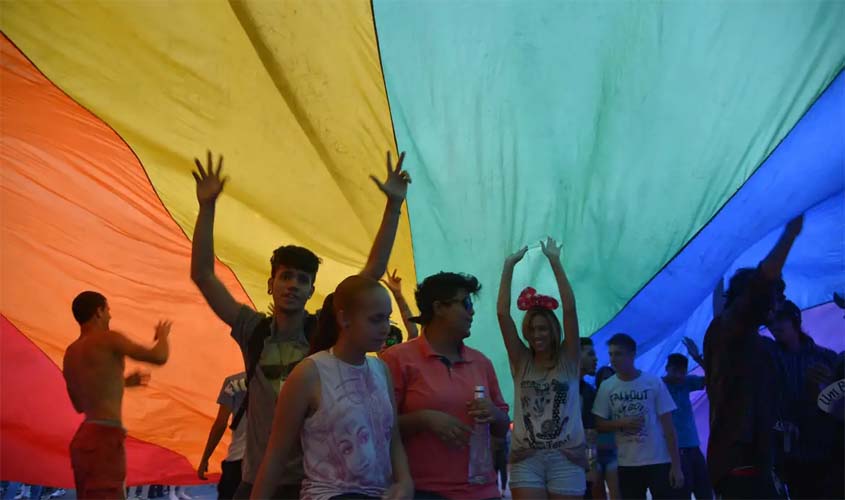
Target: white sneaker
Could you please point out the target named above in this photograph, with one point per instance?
(23, 492)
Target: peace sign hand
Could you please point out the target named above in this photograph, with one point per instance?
(393, 282)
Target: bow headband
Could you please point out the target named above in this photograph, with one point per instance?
(530, 299)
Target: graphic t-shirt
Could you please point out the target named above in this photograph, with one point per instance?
(232, 396)
(646, 396)
(279, 357)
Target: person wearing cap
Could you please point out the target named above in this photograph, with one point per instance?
(434, 378)
(805, 366)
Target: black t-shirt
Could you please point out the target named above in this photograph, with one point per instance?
(588, 397)
(743, 386)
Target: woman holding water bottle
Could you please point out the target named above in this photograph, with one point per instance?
(447, 395)
(548, 457)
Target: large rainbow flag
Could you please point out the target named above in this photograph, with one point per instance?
(664, 143)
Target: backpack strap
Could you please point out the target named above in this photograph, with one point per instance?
(310, 326)
(254, 347)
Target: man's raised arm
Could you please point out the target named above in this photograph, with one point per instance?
(209, 186)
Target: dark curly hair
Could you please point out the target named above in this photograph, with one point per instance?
(441, 287)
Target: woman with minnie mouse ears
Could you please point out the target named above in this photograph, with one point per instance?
(548, 457)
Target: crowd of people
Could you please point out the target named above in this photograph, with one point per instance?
(315, 417)
(10, 490)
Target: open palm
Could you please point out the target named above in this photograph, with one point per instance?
(209, 182)
(550, 248)
(396, 184)
(692, 349)
(517, 256)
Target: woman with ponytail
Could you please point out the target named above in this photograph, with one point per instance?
(338, 404)
(326, 335)
(548, 454)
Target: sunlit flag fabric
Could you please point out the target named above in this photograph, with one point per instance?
(664, 144)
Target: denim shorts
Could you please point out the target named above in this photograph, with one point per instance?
(549, 470)
(606, 460)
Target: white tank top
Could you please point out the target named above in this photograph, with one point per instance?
(547, 407)
(346, 442)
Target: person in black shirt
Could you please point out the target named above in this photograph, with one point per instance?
(742, 379)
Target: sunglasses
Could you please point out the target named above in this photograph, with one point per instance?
(466, 302)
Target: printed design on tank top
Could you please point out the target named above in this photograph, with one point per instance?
(541, 412)
(353, 444)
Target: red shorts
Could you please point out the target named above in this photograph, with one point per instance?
(98, 457)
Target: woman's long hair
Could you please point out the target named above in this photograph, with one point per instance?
(554, 326)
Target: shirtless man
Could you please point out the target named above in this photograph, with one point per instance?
(93, 369)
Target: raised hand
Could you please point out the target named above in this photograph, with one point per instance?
(163, 329)
(209, 182)
(720, 286)
(692, 349)
(795, 226)
(393, 282)
(202, 470)
(550, 248)
(396, 185)
(136, 379)
(517, 256)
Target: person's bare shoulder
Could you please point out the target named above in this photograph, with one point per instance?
(69, 356)
(113, 341)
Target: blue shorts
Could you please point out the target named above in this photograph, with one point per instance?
(606, 460)
(549, 470)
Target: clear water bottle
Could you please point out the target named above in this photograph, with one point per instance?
(480, 454)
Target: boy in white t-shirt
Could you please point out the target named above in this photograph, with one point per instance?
(231, 397)
(637, 407)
